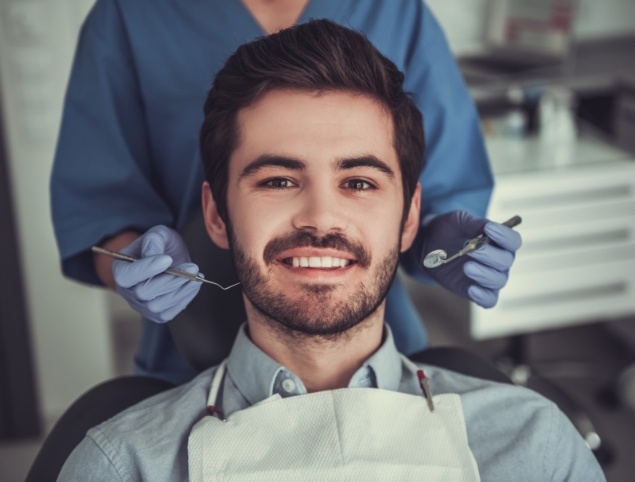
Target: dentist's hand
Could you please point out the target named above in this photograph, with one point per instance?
(481, 274)
(157, 296)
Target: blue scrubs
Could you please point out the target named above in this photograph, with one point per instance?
(127, 156)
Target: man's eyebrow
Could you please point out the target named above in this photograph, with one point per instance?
(267, 160)
(366, 161)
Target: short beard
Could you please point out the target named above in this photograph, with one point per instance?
(313, 314)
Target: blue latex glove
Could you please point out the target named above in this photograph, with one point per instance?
(158, 297)
(481, 274)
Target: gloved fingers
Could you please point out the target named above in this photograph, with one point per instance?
(506, 238)
(188, 267)
(493, 256)
(133, 249)
(165, 308)
(469, 225)
(128, 274)
(161, 239)
(164, 283)
(482, 296)
(450, 231)
(485, 276)
(158, 286)
(484, 272)
(175, 246)
(154, 241)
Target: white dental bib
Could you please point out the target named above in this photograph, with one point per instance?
(349, 434)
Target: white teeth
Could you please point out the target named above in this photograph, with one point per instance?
(319, 262)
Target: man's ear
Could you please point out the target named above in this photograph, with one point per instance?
(213, 222)
(411, 225)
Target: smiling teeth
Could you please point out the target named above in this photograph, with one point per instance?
(319, 262)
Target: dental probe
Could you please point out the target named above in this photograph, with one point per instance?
(172, 271)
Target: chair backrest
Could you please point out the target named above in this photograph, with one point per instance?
(93, 407)
(205, 331)
(461, 361)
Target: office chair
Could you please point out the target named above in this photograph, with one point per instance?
(96, 405)
(204, 334)
(516, 363)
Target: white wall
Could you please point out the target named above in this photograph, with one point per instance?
(463, 22)
(69, 322)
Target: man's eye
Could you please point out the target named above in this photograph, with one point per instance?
(277, 183)
(358, 185)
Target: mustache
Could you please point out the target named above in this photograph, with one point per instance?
(304, 239)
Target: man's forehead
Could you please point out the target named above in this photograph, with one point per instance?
(315, 126)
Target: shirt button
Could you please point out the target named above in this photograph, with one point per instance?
(288, 385)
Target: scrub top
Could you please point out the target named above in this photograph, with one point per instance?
(127, 155)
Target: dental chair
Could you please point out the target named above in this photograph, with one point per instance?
(204, 333)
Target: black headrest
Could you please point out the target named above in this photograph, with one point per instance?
(205, 331)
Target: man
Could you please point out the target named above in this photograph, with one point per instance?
(311, 152)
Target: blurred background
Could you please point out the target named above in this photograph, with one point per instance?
(554, 83)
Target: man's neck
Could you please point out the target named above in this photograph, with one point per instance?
(274, 15)
(322, 363)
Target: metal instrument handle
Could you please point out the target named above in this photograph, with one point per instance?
(172, 271)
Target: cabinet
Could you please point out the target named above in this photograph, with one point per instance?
(577, 263)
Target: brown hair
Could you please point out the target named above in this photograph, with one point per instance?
(317, 56)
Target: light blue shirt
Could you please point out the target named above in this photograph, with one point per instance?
(127, 155)
(514, 433)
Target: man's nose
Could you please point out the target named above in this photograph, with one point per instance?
(319, 211)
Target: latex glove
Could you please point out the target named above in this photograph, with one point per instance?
(158, 297)
(481, 274)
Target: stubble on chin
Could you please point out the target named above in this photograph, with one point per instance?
(314, 312)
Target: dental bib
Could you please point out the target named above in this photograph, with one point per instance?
(349, 434)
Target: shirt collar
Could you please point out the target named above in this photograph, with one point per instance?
(384, 365)
(254, 373)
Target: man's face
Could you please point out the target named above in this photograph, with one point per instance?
(315, 204)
